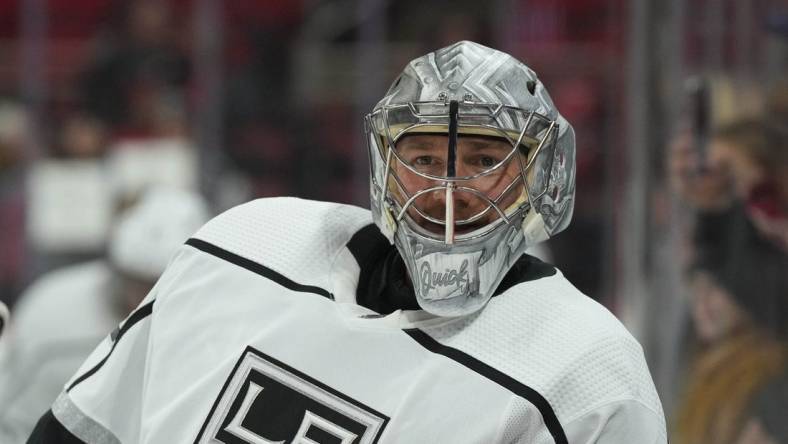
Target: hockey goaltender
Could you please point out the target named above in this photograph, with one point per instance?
(420, 321)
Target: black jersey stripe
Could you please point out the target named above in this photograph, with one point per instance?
(49, 430)
(138, 315)
(255, 267)
(494, 375)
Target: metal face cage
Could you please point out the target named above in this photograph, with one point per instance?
(521, 172)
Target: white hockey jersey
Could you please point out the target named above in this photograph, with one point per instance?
(253, 336)
(57, 323)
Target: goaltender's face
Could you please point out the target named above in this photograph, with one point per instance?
(428, 153)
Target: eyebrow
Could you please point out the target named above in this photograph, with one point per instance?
(475, 144)
(485, 144)
(417, 145)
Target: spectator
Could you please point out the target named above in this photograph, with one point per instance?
(739, 188)
(67, 312)
(81, 137)
(740, 318)
(14, 138)
(747, 163)
(136, 67)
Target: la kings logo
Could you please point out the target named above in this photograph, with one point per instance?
(266, 402)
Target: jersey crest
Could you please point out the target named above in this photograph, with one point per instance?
(265, 401)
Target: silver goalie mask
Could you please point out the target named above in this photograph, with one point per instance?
(471, 164)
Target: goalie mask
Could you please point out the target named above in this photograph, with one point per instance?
(471, 163)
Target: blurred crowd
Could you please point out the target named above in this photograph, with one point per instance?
(269, 103)
(114, 122)
(135, 105)
(732, 176)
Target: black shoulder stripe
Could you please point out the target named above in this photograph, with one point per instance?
(494, 375)
(254, 267)
(138, 315)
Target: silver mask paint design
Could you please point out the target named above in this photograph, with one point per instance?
(456, 271)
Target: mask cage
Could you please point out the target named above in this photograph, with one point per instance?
(532, 138)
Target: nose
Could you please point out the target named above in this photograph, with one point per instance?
(462, 203)
(462, 199)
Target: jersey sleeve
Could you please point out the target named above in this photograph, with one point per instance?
(619, 422)
(102, 402)
(29, 382)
